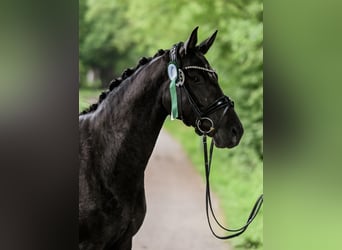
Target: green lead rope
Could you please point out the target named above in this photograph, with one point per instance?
(174, 104)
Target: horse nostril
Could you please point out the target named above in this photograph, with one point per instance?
(234, 131)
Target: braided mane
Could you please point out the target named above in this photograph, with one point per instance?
(116, 82)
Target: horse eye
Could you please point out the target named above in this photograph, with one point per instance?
(195, 78)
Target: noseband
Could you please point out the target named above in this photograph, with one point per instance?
(177, 78)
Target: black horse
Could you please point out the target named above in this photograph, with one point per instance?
(117, 136)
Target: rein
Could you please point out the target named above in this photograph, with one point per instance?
(252, 215)
(177, 78)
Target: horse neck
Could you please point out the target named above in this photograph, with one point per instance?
(131, 116)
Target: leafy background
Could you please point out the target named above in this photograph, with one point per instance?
(113, 35)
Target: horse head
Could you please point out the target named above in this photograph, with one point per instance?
(199, 101)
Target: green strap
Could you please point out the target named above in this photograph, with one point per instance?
(174, 104)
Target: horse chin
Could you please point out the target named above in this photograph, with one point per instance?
(187, 123)
(225, 143)
(197, 131)
(218, 140)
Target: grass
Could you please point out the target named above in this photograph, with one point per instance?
(236, 185)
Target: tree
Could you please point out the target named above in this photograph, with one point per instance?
(99, 22)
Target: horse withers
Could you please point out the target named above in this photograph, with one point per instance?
(118, 134)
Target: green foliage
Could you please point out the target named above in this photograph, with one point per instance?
(82, 73)
(99, 23)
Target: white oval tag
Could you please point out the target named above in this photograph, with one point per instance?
(172, 71)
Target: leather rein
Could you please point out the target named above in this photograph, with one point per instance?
(224, 103)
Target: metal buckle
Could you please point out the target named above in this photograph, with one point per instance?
(181, 78)
(198, 124)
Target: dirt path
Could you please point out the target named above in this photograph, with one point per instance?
(175, 218)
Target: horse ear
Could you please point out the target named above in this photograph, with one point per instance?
(206, 44)
(192, 40)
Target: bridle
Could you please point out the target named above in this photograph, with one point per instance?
(177, 77)
(176, 71)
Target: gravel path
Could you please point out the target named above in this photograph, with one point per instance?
(175, 218)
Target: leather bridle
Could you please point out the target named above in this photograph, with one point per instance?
(201, 115)
(224, 103)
